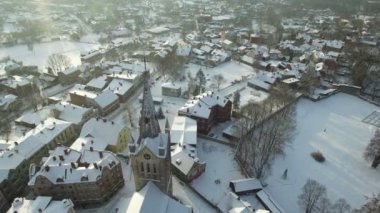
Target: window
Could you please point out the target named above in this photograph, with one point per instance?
(154, 168)
(148, 167)
(142, 167)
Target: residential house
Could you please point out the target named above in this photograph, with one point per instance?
(101, 134)
(171, 89)
(88, 178)
(16, 157)
(72, 113)
(10, 103)
(122, 88)
(207, 109)
(69, 75)
(185, 166)
(41, 204)
(106, 102)
(81, 97)
(18, 85)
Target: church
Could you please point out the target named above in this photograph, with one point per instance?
(150, 154)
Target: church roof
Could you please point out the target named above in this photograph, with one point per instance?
(149, 126)
(151, 199)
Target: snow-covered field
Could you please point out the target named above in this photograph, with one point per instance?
(344, 173)
(220, 166)
(41, 51)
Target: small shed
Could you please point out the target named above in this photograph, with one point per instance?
(243, 186)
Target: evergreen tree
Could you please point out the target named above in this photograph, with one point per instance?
(372, 152)
(201, 80)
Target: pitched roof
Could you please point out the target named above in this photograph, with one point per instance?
(183, 131)
(148, 123)
(201, 105)
(106, 98)
(151, 199)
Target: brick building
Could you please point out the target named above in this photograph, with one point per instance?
(207, 109)
(89, 178)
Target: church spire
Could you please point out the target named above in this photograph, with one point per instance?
(149, 126)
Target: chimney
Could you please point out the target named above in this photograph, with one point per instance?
(100, 154)
(47, 168)
(61, 158)
(91, 149)
(65, 173)
(54, 158)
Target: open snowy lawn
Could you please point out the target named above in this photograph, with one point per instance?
(344, 173)
(220, 166)
(41, 51)
(231, 70)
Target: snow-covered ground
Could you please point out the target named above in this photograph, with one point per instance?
(220, 166)
(41, 51)
(344, 173)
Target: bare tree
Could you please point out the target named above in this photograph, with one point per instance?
(325, 206)
(57, 63)
(372, 206)
(236, 100)
(218, 80)
(372, 152)
(313, 193)
(170, 65)
(309, 80)
(341, 206)
(266, 129)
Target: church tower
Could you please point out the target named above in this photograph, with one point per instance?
(150, 154)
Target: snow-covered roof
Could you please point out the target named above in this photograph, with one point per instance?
(98, 133)
(258, 83)
(16, 81)
(98, 83)
(7, 100)
(158, 30)
(119, 86)
(201, 105)
(71, 112)
(71, 170)
(244, 185)
(183, 131)
(62, 155)
(290, 80)
(181, 159)
(171, 85)
(70, 70)
(13, 153)
(79, 89)
(106, 98)
(336, 44)
(269, 202)
(46, 204)
(151, 199)
(155, 144)
(183, 49)
(33, 117)
(9, 160)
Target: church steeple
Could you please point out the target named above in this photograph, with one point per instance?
(149, 126)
